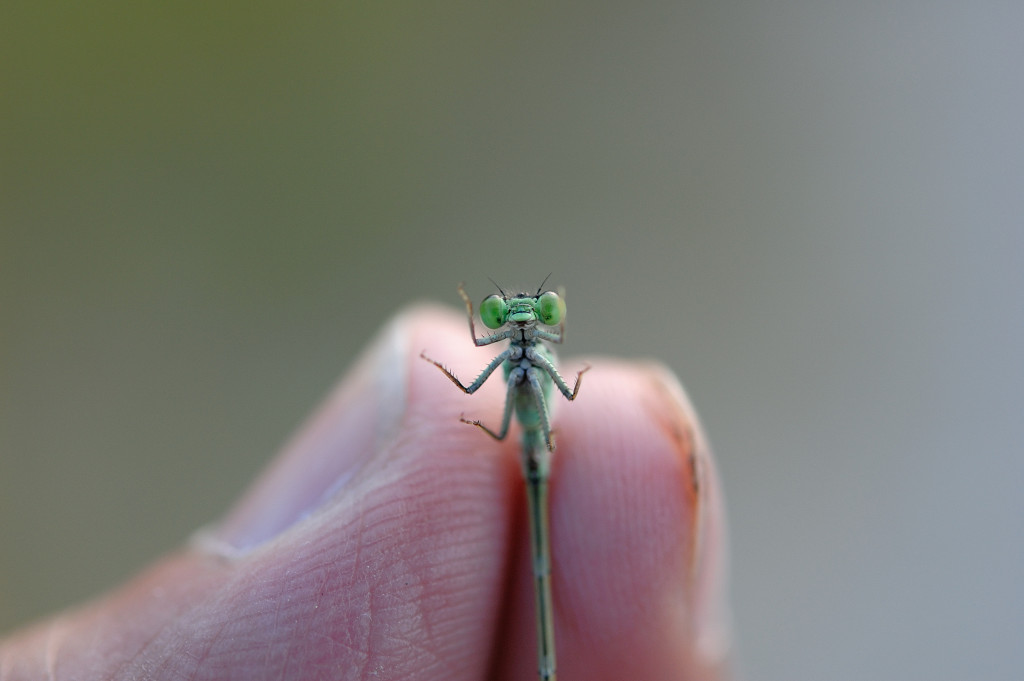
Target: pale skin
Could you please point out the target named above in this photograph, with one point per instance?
(399, 552)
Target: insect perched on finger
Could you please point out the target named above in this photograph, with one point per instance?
(529, 368)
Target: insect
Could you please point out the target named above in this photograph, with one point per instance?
(529, 368)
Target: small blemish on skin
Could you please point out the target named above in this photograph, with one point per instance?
(674, 423)
(680, 431)
(694, 472)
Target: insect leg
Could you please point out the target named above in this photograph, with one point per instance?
(475, 385)
(545, 364)
(486, 340)
(510, 397)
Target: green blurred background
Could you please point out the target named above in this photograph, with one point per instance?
(812, 211)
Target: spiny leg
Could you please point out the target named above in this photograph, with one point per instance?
(510, 396)
(475, 385)
(542, 408)
(486, 340)
(469, 311)
(563, 387)
(551, 336)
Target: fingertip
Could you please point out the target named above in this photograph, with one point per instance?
(391, 391)
(638, 527)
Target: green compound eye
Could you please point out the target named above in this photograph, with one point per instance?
(493, 311)
(550, 308)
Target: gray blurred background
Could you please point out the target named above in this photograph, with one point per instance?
(812, 211)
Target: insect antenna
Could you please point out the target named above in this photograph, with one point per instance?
(498, 286)
(541, 287)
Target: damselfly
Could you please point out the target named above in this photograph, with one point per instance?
(529, 368)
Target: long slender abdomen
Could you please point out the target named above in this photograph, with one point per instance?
(536, 470)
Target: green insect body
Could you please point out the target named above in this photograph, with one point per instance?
(530, 376)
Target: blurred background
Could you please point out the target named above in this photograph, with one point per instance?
(812, 211)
